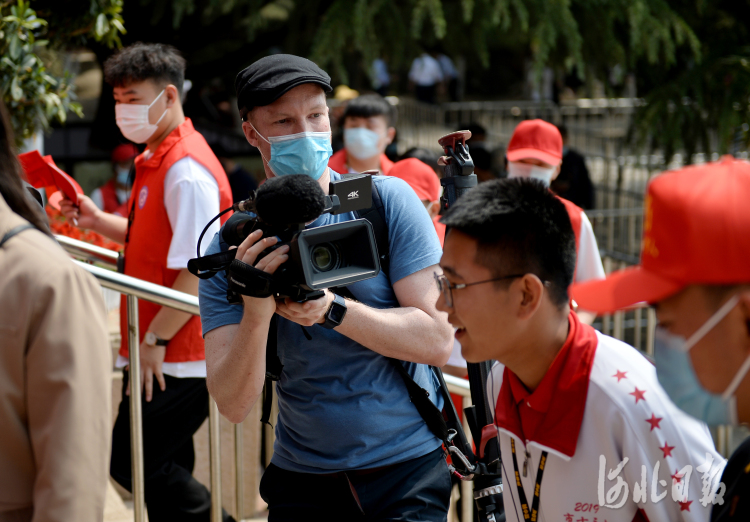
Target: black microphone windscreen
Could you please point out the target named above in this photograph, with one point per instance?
(286, 200)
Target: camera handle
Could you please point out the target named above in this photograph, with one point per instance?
(459, 168)
(485, 468)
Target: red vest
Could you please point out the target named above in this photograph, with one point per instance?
(150, 234)
(111, 203)
(575, 213)
(338, 163)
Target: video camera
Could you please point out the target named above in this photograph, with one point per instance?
(322, 257)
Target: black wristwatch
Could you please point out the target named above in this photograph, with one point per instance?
(336, 312)
(152, 340)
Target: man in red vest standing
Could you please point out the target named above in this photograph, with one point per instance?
(535, 151)
(179, 185)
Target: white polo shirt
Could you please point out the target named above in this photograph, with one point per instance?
(599, 404)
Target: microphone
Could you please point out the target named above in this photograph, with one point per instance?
(289, 200)
(279, 203)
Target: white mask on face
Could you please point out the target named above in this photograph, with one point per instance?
(526, 170)
(132, 119)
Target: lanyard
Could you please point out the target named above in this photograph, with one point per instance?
(533, 516)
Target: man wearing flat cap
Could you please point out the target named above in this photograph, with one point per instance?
(349, 443)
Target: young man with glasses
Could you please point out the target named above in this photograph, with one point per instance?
(585, 430)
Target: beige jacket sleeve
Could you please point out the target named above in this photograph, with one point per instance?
(69, 379)
(55, 391)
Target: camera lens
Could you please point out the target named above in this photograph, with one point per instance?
(324, 257)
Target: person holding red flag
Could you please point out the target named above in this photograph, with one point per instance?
(179, 186)
(694, 270)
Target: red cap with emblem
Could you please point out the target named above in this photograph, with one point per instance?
(536, 139)
(696, 230)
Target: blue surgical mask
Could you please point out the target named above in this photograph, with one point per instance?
(676, 374)
(362, 143)
(525, 170)
(302, 153)
(123, 174)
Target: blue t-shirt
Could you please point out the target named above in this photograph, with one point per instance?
(343, 406)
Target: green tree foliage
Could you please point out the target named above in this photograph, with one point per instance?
(701, 104)
(590, 35)
(35, 98)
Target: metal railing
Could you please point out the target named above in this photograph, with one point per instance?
(135, 289)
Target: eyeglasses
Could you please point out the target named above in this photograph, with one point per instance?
(446, 288)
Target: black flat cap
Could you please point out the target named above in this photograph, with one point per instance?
(269, 78)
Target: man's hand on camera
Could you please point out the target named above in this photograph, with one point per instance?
(248, 252)
(307, 313)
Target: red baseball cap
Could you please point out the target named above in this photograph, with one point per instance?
(536, 139)
(419, 176)
(124, 152)
(696, 230)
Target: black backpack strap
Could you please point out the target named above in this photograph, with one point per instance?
(420, 397)
(273, 370)
(13, 231)
(376, 216)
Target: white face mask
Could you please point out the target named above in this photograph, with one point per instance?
(525, 170)
(132, 119)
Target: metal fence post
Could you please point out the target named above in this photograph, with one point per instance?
(638, 328)
(214, 452)
(467, 487)
(650, 329)
(239, 477)
(136, 418)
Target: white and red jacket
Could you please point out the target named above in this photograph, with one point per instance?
(599, 399)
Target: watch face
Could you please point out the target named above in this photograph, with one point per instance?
(150, 338)
(337, 313)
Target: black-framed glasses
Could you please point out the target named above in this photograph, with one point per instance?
(446, 288)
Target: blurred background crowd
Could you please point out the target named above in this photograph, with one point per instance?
(638, 86)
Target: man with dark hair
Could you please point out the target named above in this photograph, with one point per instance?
(695, 272)
(573, 182)
(570, 402)
(368, 124)
(350, 445)
(158, 63)
(179, 186)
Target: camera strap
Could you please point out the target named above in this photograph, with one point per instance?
(273, 369)
(206, 267)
